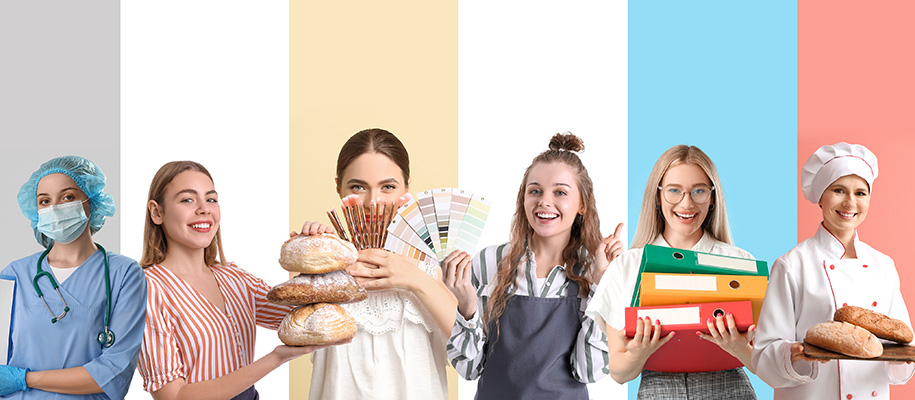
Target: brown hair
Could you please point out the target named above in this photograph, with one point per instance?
(374, 140)
(651, 222)
(155, 246)
(584, 240)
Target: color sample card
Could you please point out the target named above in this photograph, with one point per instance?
(460, 200)
(396, 245)
(437, 223)
(442, 198)
(403, 231)
(427, 209)
(471, 229)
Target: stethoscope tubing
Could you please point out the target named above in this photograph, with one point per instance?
(105, 337)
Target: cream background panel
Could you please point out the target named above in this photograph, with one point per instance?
(208, 81)
(363, 64)
(529, 70)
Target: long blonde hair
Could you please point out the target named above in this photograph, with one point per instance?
(155, 247)
(583, 242)
(651, 222)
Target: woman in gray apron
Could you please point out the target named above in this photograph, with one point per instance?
(533, 340)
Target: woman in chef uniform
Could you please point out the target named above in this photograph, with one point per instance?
(830, 270)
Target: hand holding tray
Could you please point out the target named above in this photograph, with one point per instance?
(891, 352)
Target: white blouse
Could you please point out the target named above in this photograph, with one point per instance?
(398, 352)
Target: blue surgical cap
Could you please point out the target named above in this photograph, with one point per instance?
(88, 177)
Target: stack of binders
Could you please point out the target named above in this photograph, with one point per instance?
(683, 289)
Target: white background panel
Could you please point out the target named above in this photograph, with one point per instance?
(208, 81)
(528, 70)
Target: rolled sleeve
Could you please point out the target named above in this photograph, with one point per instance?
(114, 368)
(590, 356)
(160, 361)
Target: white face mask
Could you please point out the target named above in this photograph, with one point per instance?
(63, 223)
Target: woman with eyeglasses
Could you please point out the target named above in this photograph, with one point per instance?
(684, 208)
(79, 310)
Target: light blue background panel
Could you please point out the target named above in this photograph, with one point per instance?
(721, 76)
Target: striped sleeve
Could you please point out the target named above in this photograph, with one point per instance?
(465, 346)
(266, 314)
(590, 356)
(160, 359)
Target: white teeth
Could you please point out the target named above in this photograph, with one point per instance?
(846, 215)
(200, 226)
(684, 216)
(547, 215)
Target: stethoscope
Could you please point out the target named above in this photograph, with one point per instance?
(105, 337)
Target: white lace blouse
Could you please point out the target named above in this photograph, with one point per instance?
(397, 342)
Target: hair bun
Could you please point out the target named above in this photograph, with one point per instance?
(566, 141)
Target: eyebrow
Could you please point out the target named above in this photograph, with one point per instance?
(362, 182)
(556, 184)
(62, 190)
(839, 185)
(192, 191)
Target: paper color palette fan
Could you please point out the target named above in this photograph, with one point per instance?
(430, 226)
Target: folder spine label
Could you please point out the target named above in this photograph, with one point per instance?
(730, 263)
(704, 283)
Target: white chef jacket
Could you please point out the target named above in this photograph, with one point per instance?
(806, 287)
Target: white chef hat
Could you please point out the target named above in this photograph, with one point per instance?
(832, 162)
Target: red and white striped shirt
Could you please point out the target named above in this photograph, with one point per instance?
(188, 337)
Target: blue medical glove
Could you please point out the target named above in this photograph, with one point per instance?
(12, 380)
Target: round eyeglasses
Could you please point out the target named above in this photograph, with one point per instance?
(673, 194)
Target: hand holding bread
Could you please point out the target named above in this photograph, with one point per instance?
(321, 261)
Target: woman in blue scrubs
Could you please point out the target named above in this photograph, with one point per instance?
(79, 310)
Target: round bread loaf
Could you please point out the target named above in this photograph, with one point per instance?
(332, 287)
(317, 324)
(845, 338)
(317, 254)
(880, 325)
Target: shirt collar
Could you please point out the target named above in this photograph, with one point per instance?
(830, 243)
(704, 245)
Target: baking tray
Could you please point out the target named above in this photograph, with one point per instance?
(891, 352)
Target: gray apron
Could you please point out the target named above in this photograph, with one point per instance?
(530, 358)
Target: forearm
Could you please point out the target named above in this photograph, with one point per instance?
(438, 300)
(624, 367)
(222, 388)
(745, 356)
(74, 380)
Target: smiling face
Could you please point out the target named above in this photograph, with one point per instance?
(189, 213)
(845, 203)
(683, 220)
(373, 176)
(552, 200)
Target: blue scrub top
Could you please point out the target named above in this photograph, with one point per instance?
(39, 345)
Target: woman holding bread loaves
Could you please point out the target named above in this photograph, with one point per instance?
(521, 327)
(683, 207)
(830, 270)
(201, 310)
(399, 348)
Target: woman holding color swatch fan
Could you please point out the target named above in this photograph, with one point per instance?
(521, 327)
(399, 349)
(683, 207)
(830, 270)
